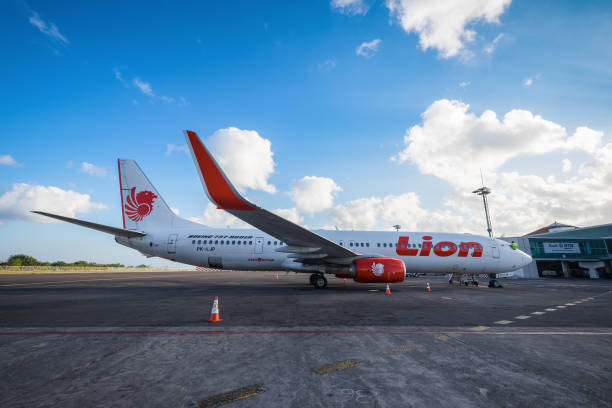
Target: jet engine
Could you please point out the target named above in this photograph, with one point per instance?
(376, 269)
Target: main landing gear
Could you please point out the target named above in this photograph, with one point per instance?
(318, 281)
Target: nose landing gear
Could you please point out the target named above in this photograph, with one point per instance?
(493, 282)
(318, 281)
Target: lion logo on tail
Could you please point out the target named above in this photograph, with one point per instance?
(139, 205)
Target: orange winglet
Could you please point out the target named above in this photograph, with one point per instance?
(220, 191)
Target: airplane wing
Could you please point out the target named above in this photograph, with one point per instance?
(307, 246)
(99, 227)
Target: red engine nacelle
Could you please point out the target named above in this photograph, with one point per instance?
(379, 270)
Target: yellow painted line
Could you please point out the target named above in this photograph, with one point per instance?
(443, 338)
(538, 313)
(570, 304)
(403, 349)
(523, 317)
(504, 322)
(478, 328)
(339, 366)
(231, 396)
(550, 309)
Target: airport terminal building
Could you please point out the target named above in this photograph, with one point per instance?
(560, 250)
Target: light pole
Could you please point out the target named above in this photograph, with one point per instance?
(484, 191)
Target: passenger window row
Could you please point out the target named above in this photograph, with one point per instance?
(220, 242)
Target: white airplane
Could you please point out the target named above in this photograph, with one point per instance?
(277, 244)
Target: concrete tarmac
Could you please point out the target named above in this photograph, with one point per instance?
(124, 340)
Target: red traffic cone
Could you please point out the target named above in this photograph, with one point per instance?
(345, 280)
(388, 291)
(214, 313)
(276, 275)
(428, 289)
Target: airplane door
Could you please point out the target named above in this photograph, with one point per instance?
(495, 251)
(172, 243)
(259, 245)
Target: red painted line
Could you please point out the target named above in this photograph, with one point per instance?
(297, 332)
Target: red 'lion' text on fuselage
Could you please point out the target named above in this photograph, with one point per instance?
(443, 248)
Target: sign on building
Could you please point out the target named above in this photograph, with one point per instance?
(561, 248)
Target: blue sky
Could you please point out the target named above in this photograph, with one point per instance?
(290, 72)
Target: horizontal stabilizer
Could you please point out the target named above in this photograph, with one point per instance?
(100, 227)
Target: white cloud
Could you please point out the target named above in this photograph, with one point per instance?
(49, 29)
(464, 84)
(314, 194)
(585, 139)
(214, 217)
(328, 64)
(117, 74)
(170, 148)
(383, 213)
(529, 80)
(349, 7)
(245, 156)
(368, 49)
(291, 214)
(453, 144)
(443, 24)
(144, 87)
(94, 170)
(491, 47)
(147, 89)
(22, 198)
(567, 165)
(7, 160)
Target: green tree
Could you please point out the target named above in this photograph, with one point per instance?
(22, 260)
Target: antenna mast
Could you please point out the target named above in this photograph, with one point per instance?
(484, 191)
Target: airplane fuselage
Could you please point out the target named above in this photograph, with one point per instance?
(251, 249)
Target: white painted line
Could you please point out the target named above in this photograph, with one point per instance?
(80, 280)
(523, 317)
(570, 304)
(550, 309)
(504, 322)
(538, 313)
(577, 302)
(561, 307)
(478, 328)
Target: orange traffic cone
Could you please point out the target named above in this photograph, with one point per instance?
(276, 275)
(214, 313)
(428, 289)
(344, 280)
(388, 291)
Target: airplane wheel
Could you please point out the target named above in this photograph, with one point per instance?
(475, 283)
(313, 277)
(494, 283)
(320, 282)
